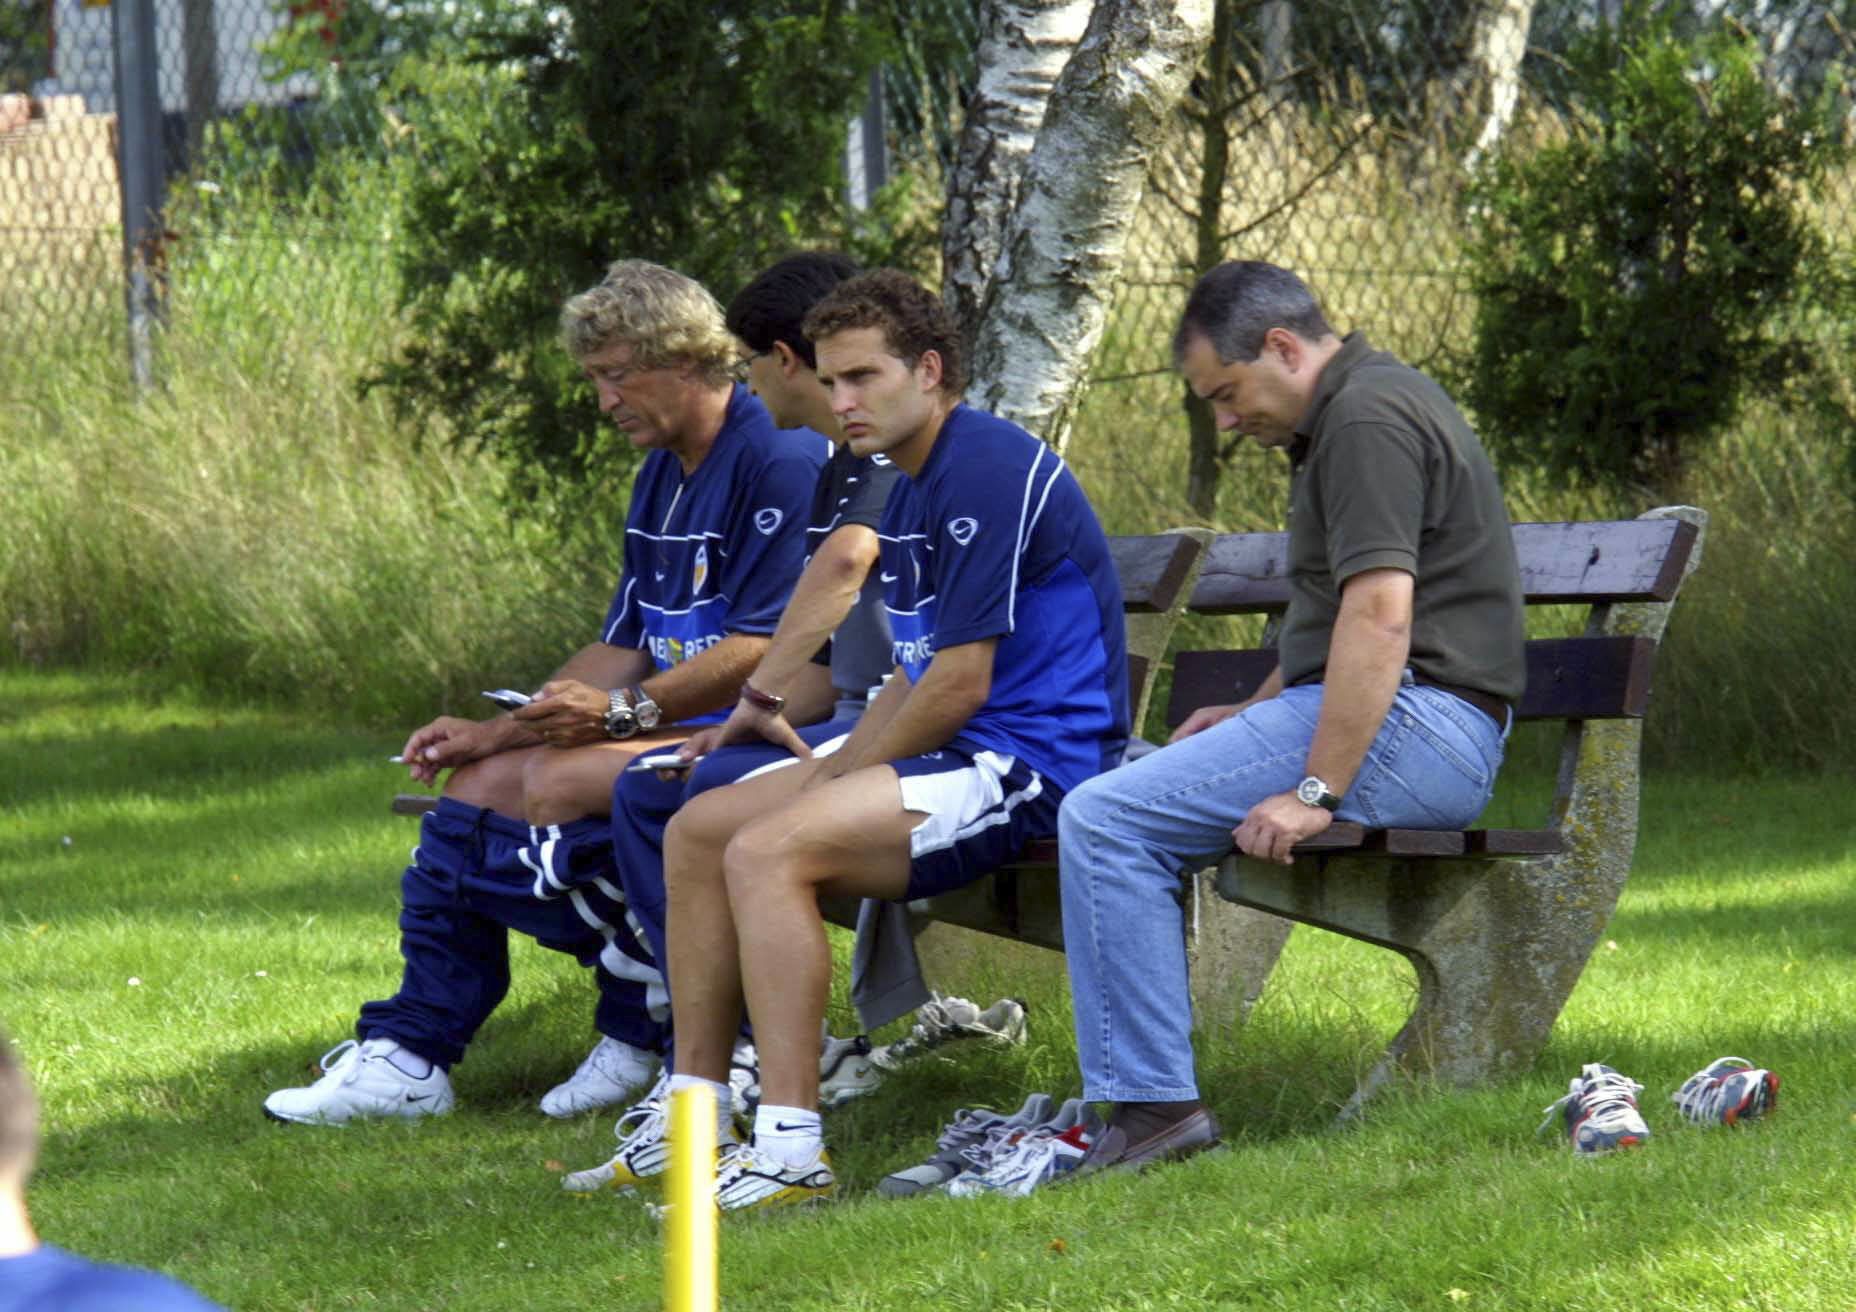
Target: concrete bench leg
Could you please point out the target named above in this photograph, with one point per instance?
(1230, 952)
(1498, 946)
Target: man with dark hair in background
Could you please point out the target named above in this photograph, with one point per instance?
(1401, 661)
(36, 1277)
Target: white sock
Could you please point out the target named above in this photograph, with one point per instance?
(406, 1061)
(724, 1103)
(792, 1136)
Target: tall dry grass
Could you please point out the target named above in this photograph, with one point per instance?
(258, 529)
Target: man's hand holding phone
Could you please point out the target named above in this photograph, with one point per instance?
(566, 713)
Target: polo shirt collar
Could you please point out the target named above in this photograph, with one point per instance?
(1353, 349)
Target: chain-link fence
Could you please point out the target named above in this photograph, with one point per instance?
(104, 107)
(1338, 138)
(1334, 136)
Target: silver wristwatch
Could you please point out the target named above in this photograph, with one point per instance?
(621, 720)
(1313, 792)
(644, 708)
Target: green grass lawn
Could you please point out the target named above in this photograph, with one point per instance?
(194, 900)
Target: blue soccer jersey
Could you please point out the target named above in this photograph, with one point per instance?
(49, 1279)
(995, 539)
(716, 552)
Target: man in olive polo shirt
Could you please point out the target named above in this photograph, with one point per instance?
(1400, 660)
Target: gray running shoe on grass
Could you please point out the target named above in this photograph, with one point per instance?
(969, 1143)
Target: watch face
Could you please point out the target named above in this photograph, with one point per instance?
(1310, 790)
(647, 714)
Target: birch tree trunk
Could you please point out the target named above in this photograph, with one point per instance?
(1024, 45)
(1061, 253)
(1497, 43)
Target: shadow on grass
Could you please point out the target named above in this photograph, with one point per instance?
(175, 761)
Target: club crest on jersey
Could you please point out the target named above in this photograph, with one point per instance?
(767, 519)
(699, 571)
(962, 529)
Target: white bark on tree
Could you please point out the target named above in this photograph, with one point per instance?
(1062, 252)
(1496, 46)
(1024, 45)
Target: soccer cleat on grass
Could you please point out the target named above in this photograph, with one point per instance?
(1600, 1111)
(969, 1143)
(747, 1180)
(1034, 1158)
(359, 1082)
(613, 1074)
(1728, 1091)
(942, 1020)
(644, 1148)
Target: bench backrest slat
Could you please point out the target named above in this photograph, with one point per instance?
(1604, 678)
(1595, 562)
(1152, 569)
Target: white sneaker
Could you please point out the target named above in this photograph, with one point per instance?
(744, 1077)
(1046, 1151)
(613, 1074)
(361, 1082)
(644, 1148)
(748, 1179)
(944, 1019)
(845, 1071)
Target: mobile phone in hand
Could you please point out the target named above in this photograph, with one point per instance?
(662, 761)
(509, 698)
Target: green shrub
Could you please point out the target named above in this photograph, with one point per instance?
(545, 152)
(1639, 279)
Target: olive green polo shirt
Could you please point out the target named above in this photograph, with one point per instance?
(1386, 473)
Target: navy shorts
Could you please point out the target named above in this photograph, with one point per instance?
(982, 808)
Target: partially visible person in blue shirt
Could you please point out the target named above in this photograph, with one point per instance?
(35, 1276)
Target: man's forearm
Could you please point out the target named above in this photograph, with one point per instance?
(604, 666)
(822, 597)
(709, 681)
(1366, 659)
(953, 687)
(1271, 685)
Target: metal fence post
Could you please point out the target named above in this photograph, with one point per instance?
(139, 162)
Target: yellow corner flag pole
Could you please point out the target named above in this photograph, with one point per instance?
(690, 1224)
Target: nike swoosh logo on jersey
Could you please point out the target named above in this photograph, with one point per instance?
(888, 577)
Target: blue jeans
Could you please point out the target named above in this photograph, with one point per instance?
(1127, 836)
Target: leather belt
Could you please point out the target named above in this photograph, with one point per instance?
(1486, 702)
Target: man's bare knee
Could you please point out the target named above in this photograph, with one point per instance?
(706, 823)
(562, 786)
(494, 783)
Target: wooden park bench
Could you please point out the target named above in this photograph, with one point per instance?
(1498, 923)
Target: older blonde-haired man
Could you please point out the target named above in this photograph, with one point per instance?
(714, 539)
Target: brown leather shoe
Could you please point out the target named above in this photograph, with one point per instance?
(1114, 1151)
